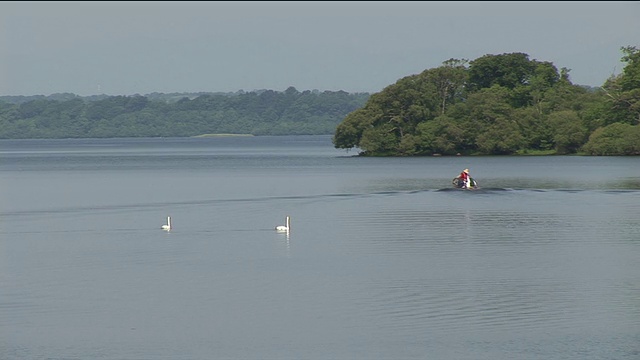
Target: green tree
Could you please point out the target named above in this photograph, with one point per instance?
(380, 140)
(349, 132)
(569, 132)
(506, 70)
(534, 128)
(614, 139)
(449, 81)
(623, 90)
(443, 135)
(490, 114)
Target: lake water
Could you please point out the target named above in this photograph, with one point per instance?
(384, 260)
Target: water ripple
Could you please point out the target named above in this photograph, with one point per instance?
(503, 305)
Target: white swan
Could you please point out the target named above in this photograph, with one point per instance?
(167, 226)
(284, 227)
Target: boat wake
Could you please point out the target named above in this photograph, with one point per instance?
(254, 200)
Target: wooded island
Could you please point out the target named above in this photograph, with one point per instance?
(499, 105)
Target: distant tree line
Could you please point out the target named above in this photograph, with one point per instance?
(264, 112)
(498, 104)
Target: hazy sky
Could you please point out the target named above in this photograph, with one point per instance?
(126, 48)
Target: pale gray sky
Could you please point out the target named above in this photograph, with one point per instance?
(126, 48)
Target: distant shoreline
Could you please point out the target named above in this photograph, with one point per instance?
(220, 135)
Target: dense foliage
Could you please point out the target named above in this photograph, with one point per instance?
(259, 113)
(498, 104)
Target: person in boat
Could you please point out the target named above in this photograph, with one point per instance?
(465, 178)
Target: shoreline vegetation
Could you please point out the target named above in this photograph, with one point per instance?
(503, 104)
(261, 112)
(220, 135)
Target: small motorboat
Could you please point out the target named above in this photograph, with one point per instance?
(459, 184)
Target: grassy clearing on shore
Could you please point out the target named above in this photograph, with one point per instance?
(536, 152)
(219, 135)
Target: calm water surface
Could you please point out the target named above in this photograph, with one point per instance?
(384, 260)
